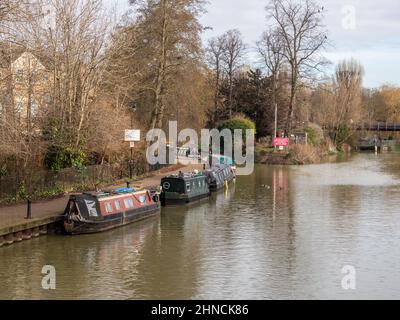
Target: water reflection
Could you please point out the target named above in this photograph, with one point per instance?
(284, 232)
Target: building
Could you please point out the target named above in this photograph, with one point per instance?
(25, 84)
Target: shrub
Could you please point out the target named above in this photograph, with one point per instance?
(315, 134)
(342, 135)
(238, 122)
(304, 154)
(58, 158)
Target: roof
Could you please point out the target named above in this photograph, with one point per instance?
(185, 176)
(9, 53)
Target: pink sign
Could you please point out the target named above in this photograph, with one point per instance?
(281, 142)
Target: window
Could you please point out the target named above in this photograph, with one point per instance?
(117, 205)
(19, 106)
(129, 203)
(34, 108)
(19, 74)
(188, 187)
(109, 207)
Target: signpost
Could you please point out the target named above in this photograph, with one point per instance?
(132, 136)
(281, 143)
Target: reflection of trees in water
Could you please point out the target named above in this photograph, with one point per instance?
(169, 264)
(89, 266)
(20, 269)
(391, 163)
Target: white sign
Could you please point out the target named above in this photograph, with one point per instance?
(132, 135)
(132, 144)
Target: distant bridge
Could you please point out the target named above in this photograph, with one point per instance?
(381, 126)
(377, 127)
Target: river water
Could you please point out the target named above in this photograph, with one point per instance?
(284, 232)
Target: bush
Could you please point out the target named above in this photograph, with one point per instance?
(342, 134)
(58, 158)
(238, 122)
(315, 134)
(304, 154)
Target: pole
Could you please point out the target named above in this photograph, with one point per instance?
(29, 210)
(276, 122)
(130, 165)
(131, 160)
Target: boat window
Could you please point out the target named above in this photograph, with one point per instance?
(117, 205)
(188, 187)
(128, 203)
(143, 199)
(109, 207)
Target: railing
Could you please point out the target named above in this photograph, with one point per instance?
(48, 183)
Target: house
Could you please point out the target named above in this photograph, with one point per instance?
(25, 84)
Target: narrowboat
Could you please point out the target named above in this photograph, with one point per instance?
(219, 176)
(184, 188)
(224, 160)
(101, 211)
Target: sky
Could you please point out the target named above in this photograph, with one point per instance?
(367, 30)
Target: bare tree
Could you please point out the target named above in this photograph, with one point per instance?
(300, 26)
(270, 48)
(234, 48)
(215, 52)
(348, 82)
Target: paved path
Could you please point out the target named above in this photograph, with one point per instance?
(15, 215)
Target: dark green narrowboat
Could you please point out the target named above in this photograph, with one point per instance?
(184, 188)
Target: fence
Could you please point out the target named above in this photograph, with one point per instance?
(48, 183)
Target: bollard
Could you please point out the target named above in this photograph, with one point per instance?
(29, 210)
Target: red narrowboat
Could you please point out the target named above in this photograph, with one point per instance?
(101, 211)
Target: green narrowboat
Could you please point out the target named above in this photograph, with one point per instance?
(184, 188)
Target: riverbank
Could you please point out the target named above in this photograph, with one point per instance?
(294, 155)
(13, 217)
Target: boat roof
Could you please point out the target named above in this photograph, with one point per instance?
(185, 175)
(112, 193)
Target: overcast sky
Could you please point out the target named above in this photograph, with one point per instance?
(373, 37)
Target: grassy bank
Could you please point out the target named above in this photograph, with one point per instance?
(295, 155)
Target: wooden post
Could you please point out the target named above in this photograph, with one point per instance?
(29, 210)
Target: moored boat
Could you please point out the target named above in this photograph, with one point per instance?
(96, 212)
(184, 188)
(219, 176)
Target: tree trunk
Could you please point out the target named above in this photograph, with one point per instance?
(158, 114)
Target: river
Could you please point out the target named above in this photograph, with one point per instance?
(281, 233)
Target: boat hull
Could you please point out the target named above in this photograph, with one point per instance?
(167, 200)
(77, 227)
